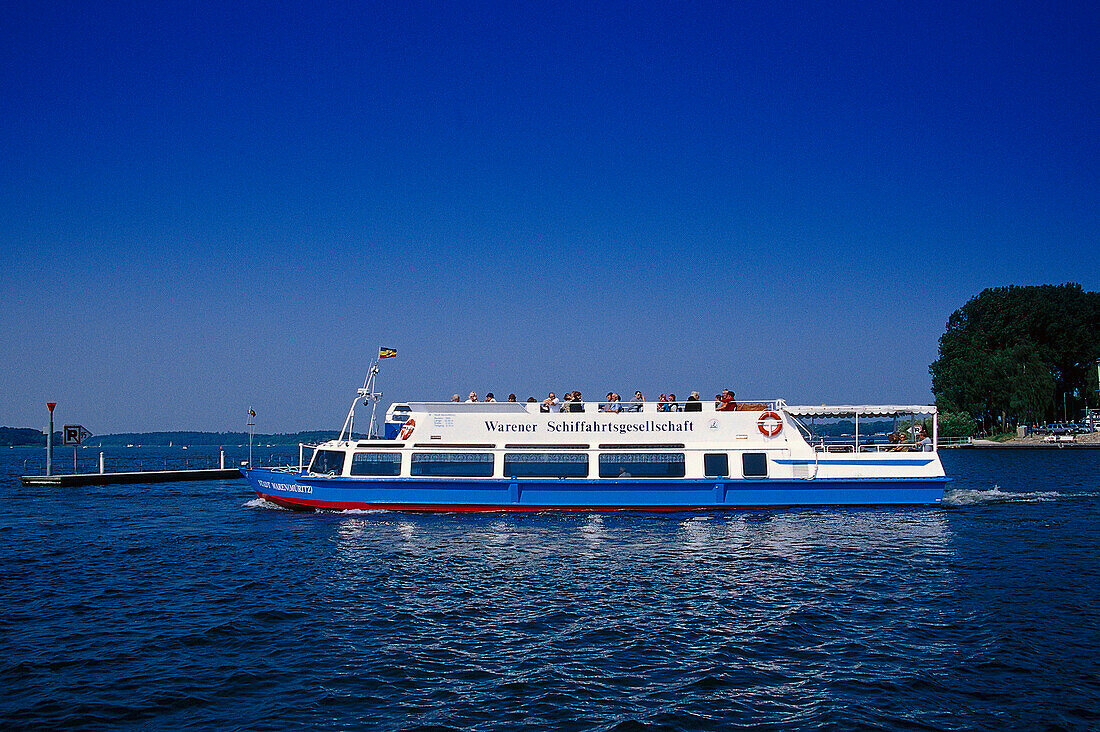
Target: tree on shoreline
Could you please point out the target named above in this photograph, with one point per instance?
(1012, 354)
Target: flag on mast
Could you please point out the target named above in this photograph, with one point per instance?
(387, 352)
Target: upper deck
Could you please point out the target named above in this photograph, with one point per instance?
(767, 424)
(633, 423)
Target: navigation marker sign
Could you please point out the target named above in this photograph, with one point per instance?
(75, 434)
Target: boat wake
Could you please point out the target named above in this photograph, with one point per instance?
(264, 503)
(958, 498)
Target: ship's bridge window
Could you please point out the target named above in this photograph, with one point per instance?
(716, 465)
(545, 465)
(454, 464)
(642, 465)
(376, 463)
(328, 462)
(754, 465)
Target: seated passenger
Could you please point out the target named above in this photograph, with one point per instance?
(636, 402)
(606, 405)
(489, 397)
(925, 441)
(473, 397)
(672, 405)
(616, 404)
(662, 403)
(456, 398)
(726, 402)
(511, 397)
(549, 403)
(577, 405)
(693, 403)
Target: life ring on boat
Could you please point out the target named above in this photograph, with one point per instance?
(770, 424)
(407, 429)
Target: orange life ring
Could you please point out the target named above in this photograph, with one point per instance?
(770, 424)
(407, 429)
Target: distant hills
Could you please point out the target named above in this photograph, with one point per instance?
(24, 437)
(27, 437)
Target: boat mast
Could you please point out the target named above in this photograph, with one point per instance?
(368, 394)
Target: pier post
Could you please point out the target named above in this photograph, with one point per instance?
(221, 462)
(49, 441)
(101, 463)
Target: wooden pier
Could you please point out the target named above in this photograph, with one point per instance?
(143, 476)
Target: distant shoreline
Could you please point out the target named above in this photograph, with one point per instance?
(1089, 441)
(24, 437)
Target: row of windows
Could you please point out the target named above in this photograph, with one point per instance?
(535, 465)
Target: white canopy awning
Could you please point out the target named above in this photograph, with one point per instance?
(870, 410)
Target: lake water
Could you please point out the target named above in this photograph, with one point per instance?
(194, 604)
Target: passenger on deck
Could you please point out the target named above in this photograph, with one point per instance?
(662, 405)
(577, 405)
(925, 441)
(473, 397)
(565, 402)
(532, 400)
(693, 403)
(614, 405)
(672, 405)
(726, 402)
(489, 397)
(456, 398)
(898, 440)
(636, 402)
(511, 397)
(549, 403)
(605, 407)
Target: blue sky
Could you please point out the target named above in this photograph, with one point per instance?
(205, 207)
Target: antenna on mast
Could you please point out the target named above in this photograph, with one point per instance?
(368, 395)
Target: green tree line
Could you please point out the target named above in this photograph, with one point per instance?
(1020, 355)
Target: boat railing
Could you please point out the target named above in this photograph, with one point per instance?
(569, 407)
(892, 447)
(849, 447)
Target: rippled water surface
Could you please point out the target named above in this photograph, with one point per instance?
(196, 604)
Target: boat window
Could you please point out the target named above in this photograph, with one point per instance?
(376, 463)
(716, 465)
(543, 465)
(328, 461)
(754, 465)
(463, 464)
(635, 465)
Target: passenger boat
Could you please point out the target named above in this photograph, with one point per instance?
(508, 456)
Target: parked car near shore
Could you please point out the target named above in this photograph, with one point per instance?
(1057, 428)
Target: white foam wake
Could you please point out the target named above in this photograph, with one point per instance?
(996, 495)
(263, 503)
